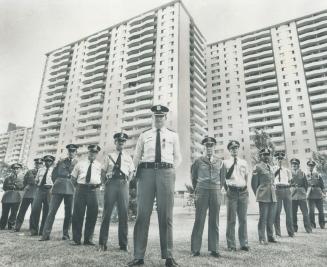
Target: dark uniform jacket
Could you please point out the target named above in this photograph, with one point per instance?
(206, 174)
(12, 185)
(263, 183)
(299, 185)
(316, 186)
(61, 177)
(30, 184)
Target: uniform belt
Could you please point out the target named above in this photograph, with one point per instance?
(119, 177)
(314, 185)
(237, 188)
(282, 186)
(88, 186)
(297, 186)
(45, 186)
(156, 165)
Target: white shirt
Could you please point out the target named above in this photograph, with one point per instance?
(240, 174)
(40, 174)
(80, 170)
(146, 147)
(285, 176)
(127, 164)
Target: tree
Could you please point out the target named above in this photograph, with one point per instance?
(4, 171)
(261, 140)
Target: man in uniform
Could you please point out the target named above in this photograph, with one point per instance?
(86, 176)
(299, 187)
(283, 178)
(29, 194)
(206, 181)
(11, 198)
(118, 167)
(42, 197)
(63, 189)
(157, 154)
(315, 195)
(264, 188)
(235, 174)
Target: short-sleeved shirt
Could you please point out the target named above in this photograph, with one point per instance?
(285, 176)
(240, 173)
(41, 172)
(127, 164)
(80, 170)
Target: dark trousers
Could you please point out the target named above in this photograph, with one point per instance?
(206, 199)
(321, 216)
(116, 192)
(40, 203)
(237, 204)
(159, 184)
(55, 202)
(284, 197)
(6, 208)
(85, 199)
(304, 209)
(26, 202)
(267, 212)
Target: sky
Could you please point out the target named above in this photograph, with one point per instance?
(30, 28)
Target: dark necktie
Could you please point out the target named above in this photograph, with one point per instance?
(88, 174)
(117, 165)
(278, 173)
(231, 170)
(158, 147)
(44, 179)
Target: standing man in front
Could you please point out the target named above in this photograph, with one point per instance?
(119, 168)
(42, 197)
(86, 176)
(157, 154)
(299, 187)
(11, 198)
(316, 193)
(235, 174)
(206, 181)
(264, 188)
(29, 193)
(283, 178)
(62, 189)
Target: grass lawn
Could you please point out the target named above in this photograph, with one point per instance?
(19, 249)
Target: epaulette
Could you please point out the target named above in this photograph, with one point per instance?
(171, 130)
(147, 130)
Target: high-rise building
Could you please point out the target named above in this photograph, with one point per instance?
(273, 79)
(107, 82)
(14, 144)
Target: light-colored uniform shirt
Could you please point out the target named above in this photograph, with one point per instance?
(240, 174)
(40, 174)
(146, 147)
(127, 164)
(285, 176)
(80, 170)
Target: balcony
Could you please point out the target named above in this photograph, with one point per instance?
(141, 39)
(57, 90)
(264, 122)
(138, 96)
(92, 100)
(136, 114)
(140, 63)
(141, 55)
(138, 122)
(98, 42)
(52, 132)
(320, 106)
(263, 106)
(264, 115)
(259, 92)
(312, 82)
(90, 116)
(138, 104)
(50, 125)
(258, 56)
(141, 47)
(100, 55)
(320, 115)
(93, 85)
(98, 36)
(141, 79)
(141, 32)
(140, 19)
(138, 88)
(61, 51)
(260, 84)
(95, 70)
(139, 71)
(97, 49)
(55, 110)
(257, 77)
(88, 132)
(90, 108)
(146, 23)
(54, 117)
(255, 36)
(311, 20)
(88, 123)
(93, 78)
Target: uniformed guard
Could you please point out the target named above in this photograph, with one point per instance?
(86, 176)
(235, 173)
(119, 168)
(157, 154)
(264, 188)
(42, 197)
(206, 181)
(11, 198)
(315, 195)
(62, 190)
(283, 178)
(29, 193)
(299, 187)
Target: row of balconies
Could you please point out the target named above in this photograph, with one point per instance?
(311, 20)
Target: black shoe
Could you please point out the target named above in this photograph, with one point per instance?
(124, 249)
(16, 230)
(231, 249)
(34, 234)
(88, 243)
(196, 254)
(103, 248)
(44, 239)
(272, 240)
(65, 237)
(170, 262)
(295, 229)
(322, 226)
(215, 254)
(135, 262)
(263, 242)
(291, 234)
(76, 243)
(245, 248)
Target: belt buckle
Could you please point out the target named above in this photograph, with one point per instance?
(156, 165)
